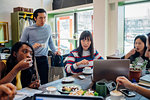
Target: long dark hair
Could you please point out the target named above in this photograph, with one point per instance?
(143, 39)
(85, 35)
(12, 60)
(149, 39)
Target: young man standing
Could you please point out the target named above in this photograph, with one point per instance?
(39, 36)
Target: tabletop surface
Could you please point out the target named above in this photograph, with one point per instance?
(86, 84)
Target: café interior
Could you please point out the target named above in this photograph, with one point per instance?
(114, 25)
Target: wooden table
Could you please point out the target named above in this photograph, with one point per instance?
(115, 56)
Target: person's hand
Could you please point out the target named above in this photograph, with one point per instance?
(57, 53)
(132, 52)
(7, 91)
(35, 84)
(125, 82)
(24, 64)
(36, 45)
(83, 62)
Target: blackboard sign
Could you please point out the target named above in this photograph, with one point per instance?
(58, 4)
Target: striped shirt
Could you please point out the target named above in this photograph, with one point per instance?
(73, 58)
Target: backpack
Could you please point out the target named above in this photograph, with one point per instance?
(56, 60)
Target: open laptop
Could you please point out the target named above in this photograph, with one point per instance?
(110, 69)
(64, 97)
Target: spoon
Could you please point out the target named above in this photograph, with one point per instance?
(116, 86)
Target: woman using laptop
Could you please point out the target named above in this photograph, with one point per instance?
(138, 51)
(83, 56)
(141, 90)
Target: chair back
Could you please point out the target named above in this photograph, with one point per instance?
(2, 69)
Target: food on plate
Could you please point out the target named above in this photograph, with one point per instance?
(77, 92)
(89, 93)
(70, 88)
(84, 93)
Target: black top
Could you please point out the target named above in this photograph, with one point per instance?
(27, 75)
(133, 57)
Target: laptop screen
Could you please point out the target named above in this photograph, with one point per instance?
(64, 97)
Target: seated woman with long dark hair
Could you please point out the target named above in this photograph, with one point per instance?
(83, 56)
(20, 67)
(138, 51)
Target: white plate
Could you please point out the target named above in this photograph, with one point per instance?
(108, 98)
(68, 79)
(51, 89)
(59, 87)
(87, 72)
(56, 93)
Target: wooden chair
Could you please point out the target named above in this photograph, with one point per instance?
(55, 72)
(2, 69)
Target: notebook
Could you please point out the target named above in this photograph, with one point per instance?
(64, 97)
(145, 80)
(110, 69)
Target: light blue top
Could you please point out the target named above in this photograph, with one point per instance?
(39, 34)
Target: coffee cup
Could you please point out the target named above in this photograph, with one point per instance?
(87, 69)
(116, 95)
(43, 45)
(51, 89)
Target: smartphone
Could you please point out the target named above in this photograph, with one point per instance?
(127, 92)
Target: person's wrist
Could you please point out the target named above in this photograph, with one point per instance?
(133, 87)
(17, 68)
(130, 53)
(77, 64)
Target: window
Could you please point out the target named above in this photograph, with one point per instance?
(85, 21)
(65, 31)
(137, 21)
(68, 27)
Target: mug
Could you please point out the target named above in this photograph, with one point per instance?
(101, 88)
(87, 69)
(43, 45)
(51, 89)
(116, 95)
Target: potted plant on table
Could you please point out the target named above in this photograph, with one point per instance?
(136, 70)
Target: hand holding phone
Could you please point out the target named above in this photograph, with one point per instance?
(128, 92)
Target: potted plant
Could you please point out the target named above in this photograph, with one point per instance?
(136, 70)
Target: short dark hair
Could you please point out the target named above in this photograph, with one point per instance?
(40, 10)
(84, 35)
